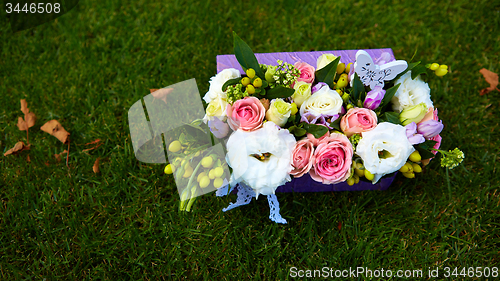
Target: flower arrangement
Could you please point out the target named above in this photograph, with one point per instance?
(334, 122)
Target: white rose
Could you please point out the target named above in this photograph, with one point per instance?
(324, 60)
(323, 102)
(262, 175)
(391, 142)
(217, 81)
(411, 92)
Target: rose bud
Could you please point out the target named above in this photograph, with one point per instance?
(374, 98)
(430, 128)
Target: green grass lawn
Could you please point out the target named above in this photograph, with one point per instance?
(89, 66)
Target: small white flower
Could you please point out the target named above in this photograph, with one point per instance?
(411, 92)
(384, 150)
(273, 146)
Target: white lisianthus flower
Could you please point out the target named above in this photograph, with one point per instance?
(279, 111)
(385, 149)
(323, 102)
(216, 107)
(302, 92)
(262, 158)
(324, 60)
(217, 81)
(411, 92)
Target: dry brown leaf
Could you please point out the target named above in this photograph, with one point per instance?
(24, 107)
(58, 156)
(54, 128)
(491, 78)
(161, 94)
(96, 166)
(97, 141)
(30, 119)
(18, 147)
(21, 124)
(93, 142)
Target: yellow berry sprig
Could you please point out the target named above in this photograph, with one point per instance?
(251, 82)
(440, 70)
(411, 167)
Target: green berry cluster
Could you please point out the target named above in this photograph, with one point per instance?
(286, 74)
(235, 92)
(452, 158)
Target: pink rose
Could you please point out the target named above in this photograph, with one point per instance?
(436, 146)
(306, 72)
(332, 160)
(316, 141)
(432, 114)
(246, 114)
(358, 120)
(302, 158)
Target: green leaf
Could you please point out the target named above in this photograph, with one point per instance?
(357, 88)
(428, 144)
(393, 117)
(265, 84)
(336, 124)
(417, 70)
(230, 82)
(262, 92)
(411, 65)
(316, 130)
(327, 73)
(425, 154)
(388, 95)
(246, 57)
(425, 149)
(279, 92)
(298, 132)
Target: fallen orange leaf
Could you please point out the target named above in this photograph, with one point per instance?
(24, 107)
(58, 156)
(18, 147)
(93, 142)
(29, 117)
(95, 168)
(491, 78)
(54, 128)
(21, 124)
(161, 94)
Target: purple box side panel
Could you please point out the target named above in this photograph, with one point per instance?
(346, 56)
(307, 184)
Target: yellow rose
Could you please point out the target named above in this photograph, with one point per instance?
(324, 60)
(278, 112)
(217, 108)
(302, 92)
(413, 114)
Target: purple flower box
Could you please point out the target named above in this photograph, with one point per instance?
(306, 183)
